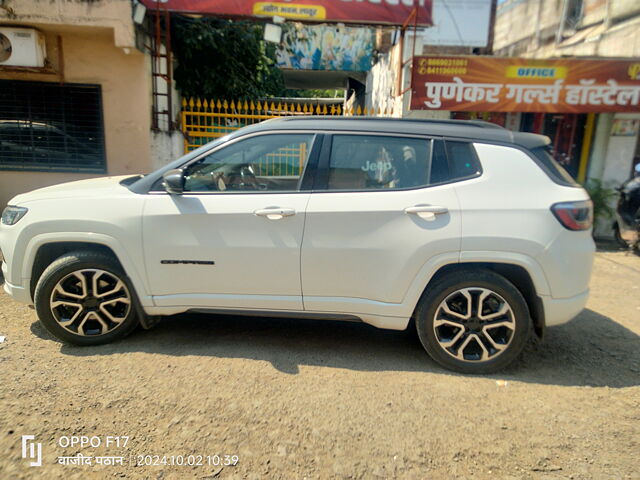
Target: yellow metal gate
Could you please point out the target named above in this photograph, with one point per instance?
(205, 120)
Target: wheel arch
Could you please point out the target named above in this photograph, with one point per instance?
(42, 250)
(516, 274)
(48, 252)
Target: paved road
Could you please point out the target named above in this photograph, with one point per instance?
(312, 399)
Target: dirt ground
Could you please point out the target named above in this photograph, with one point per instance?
(313, 399)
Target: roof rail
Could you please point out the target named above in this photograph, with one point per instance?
(469, 123)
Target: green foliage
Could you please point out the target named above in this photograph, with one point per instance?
(224, 59)
(601, 197)
(320, 93)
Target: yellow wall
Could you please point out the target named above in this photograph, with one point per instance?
(90, 56)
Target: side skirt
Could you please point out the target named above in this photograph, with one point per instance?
(277, 314)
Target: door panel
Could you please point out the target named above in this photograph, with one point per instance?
(257, 258)
(233, 239)
(361, 247)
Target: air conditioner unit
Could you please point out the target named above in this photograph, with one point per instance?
(21, 47)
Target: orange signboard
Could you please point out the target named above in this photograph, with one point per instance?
(494, 84)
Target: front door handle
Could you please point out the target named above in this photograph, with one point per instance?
(275, 213)
(428, 212)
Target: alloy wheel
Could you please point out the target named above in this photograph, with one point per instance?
(90, 302)
(474, 324)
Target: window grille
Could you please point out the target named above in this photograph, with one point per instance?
(51, 127)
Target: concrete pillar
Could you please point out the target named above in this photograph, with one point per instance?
(600, 145)
(620, 152)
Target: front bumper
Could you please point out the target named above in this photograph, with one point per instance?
(19, 294)
(561, 310)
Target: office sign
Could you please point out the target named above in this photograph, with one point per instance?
(494, 84)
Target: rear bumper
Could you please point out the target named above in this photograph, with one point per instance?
(561, 310)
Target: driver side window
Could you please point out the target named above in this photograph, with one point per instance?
(262, 163)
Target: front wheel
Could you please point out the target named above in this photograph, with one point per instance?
(473, 321)
(85, 298)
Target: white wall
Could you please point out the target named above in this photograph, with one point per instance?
(600, 145)
(381, 84)
(619, 157)
(165, 147)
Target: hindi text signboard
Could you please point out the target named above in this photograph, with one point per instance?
(494, 84)
(378, 12)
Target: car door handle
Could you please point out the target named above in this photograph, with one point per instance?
(428, 212)
(275, 213)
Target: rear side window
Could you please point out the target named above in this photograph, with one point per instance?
(377, 162)
(557, 173)
(463, 161)
(453, 161)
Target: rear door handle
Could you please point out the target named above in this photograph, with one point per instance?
(275, 213)
(428, 212)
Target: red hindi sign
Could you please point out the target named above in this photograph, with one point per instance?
(495, 84)
(391, 12)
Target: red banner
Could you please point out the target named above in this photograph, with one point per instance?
(494, 84)
(390, 12)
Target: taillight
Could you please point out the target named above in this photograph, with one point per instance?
(574, 215)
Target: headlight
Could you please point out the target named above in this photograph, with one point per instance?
(11, 214)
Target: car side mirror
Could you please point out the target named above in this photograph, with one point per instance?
(173, 181)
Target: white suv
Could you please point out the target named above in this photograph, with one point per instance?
(470, 230)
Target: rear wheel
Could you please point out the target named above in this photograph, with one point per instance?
(85, 298)
(473, 321)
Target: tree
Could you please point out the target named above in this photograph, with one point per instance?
(224, 59)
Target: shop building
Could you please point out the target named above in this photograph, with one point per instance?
(568, 69)
(607, 141)
(77, 108)
(76, 94)
(561, 98)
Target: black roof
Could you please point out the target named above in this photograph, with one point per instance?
(468, 129)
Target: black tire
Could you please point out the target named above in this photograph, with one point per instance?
(62, 268)
(452, 282)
